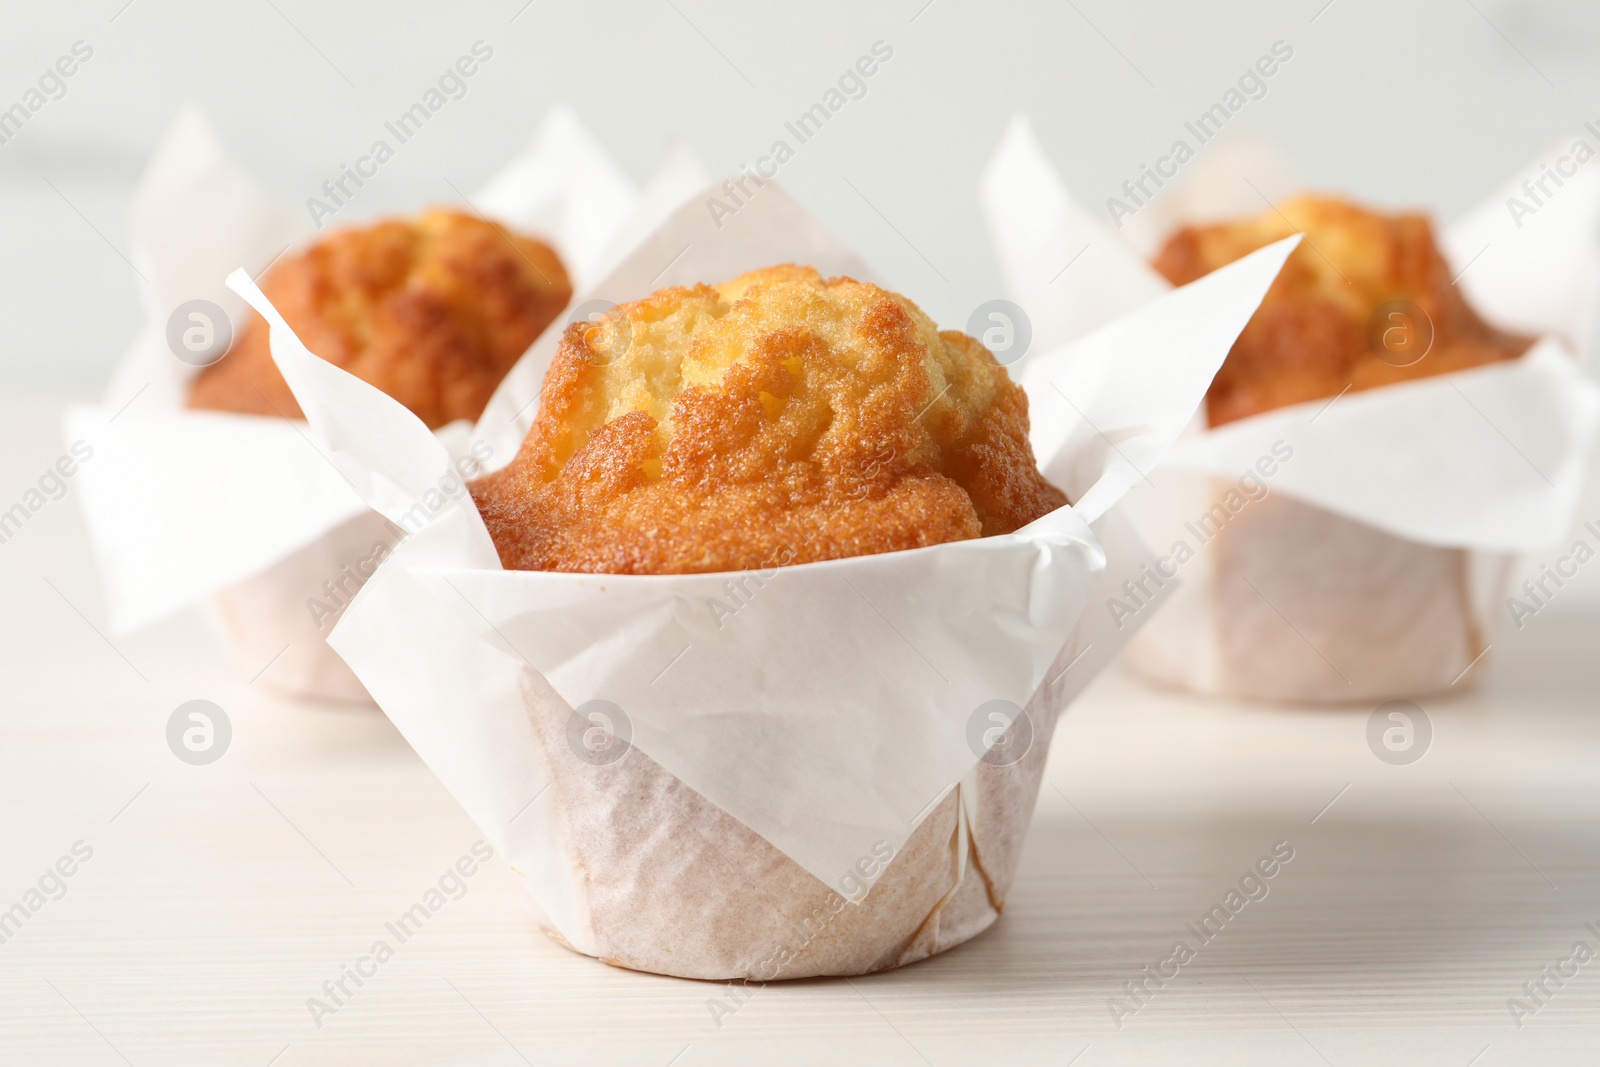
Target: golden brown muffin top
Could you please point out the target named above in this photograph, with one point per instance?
(774, 419)
(1317, 332)
(432, 310)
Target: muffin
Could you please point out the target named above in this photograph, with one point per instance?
(1303, 604)
(776, 418)
(1312, 337)
(433, 310)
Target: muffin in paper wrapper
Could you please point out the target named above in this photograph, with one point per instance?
(1355, 549)
(821, 785)
(239, 511)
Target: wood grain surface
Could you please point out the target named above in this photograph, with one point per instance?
(218, 899)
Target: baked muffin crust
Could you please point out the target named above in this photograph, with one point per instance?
(1310, 338)
(777, 418)
(434, 311)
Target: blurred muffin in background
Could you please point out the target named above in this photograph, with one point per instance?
(432, 310)
(1365, 301)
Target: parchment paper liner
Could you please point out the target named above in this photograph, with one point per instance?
(672, 884)
(270, 629)
(1374, 616)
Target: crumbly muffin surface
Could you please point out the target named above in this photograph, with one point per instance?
(1313, 335)
(777, 418)
(434, 311)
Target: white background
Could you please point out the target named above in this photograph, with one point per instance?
(1426, 102)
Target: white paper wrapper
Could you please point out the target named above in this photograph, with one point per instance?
(188, 505)
(1377, 567)
(776, 761)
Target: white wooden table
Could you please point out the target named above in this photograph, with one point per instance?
(219, 898)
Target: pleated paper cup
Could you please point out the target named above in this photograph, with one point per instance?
(1300, 604)
(276, 623)
(670, 883)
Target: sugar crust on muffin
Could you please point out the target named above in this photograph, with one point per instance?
(776, 418)
(1309, 339)
(432, 310)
